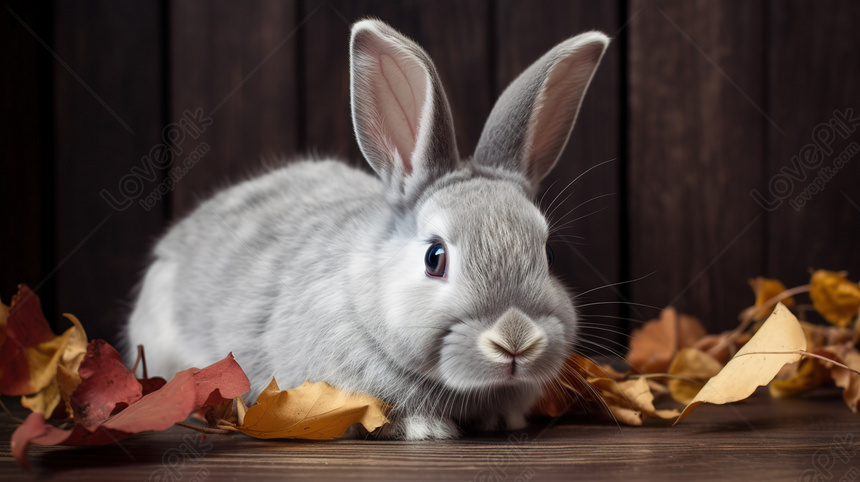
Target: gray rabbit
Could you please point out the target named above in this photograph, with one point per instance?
(427, 286)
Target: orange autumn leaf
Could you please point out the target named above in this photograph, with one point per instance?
(835, 297)
(765, 289)
(571, 389)
(653, 346)
(315, 411)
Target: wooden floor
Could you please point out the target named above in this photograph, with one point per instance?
(815, 438)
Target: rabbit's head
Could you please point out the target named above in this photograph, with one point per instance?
(466, 297)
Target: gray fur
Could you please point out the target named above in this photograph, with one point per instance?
(316, 271)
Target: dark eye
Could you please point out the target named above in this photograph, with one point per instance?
(436, 260)
(549, 255)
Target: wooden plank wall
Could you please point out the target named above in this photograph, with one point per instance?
(696, 105)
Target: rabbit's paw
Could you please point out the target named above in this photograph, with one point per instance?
(515, 420)
(426, 427)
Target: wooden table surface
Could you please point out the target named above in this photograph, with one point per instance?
(814, 438)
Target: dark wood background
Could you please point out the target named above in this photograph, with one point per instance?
(696, 104)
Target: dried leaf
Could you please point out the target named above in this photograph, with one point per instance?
(314, 411)
(188, 391)
(848, 380)
(697, 367)
(65, 379)
(572, 390)
(653, 346)
(765, 289)
(106, 384)
(806, 375)
(632, 394)
(30, 351)
(836, 298)
(781, 332)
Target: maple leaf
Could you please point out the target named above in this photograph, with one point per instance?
(315, 411)
(188, 391)
(836, 298)
(653, 346)
(756, 363)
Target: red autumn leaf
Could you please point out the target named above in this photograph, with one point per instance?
(151, 384)
(189, 390)
(106, 384)
(20, 355)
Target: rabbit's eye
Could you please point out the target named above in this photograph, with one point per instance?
(549, 255)
(436, 260)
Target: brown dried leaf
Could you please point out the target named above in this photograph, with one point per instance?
(653, 346)
(848, 380)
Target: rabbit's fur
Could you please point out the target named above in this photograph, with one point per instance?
(317, 270)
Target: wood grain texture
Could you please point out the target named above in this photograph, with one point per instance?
(236, 62)
(588, 249)
(26, 152)
(813, 72)
(696, 86)
(759, 439)
(108, 115)
(460, 50)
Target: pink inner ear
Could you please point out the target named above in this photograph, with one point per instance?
(553, 119)
(400, 93)
(400, 105)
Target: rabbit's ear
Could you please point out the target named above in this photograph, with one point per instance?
(400, 113)
(532, 120)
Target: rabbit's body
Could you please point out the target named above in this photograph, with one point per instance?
(428, 288)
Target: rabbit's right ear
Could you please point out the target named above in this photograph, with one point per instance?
(400, 113)
(532, 120)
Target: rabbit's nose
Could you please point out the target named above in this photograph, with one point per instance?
(514, 339)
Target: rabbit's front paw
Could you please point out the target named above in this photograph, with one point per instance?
(425, 427)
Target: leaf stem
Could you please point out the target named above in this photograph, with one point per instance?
(8, 412)
(803, 353)
(748, 315)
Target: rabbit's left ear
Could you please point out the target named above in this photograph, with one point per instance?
(400, 113)
(532, 120)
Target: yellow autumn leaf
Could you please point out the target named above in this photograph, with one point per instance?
(810, 373)
(835, 297)
(756, 363)
(624, 397)
(692, 367)
(71, 349)
(314, 411)
(765, 289)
